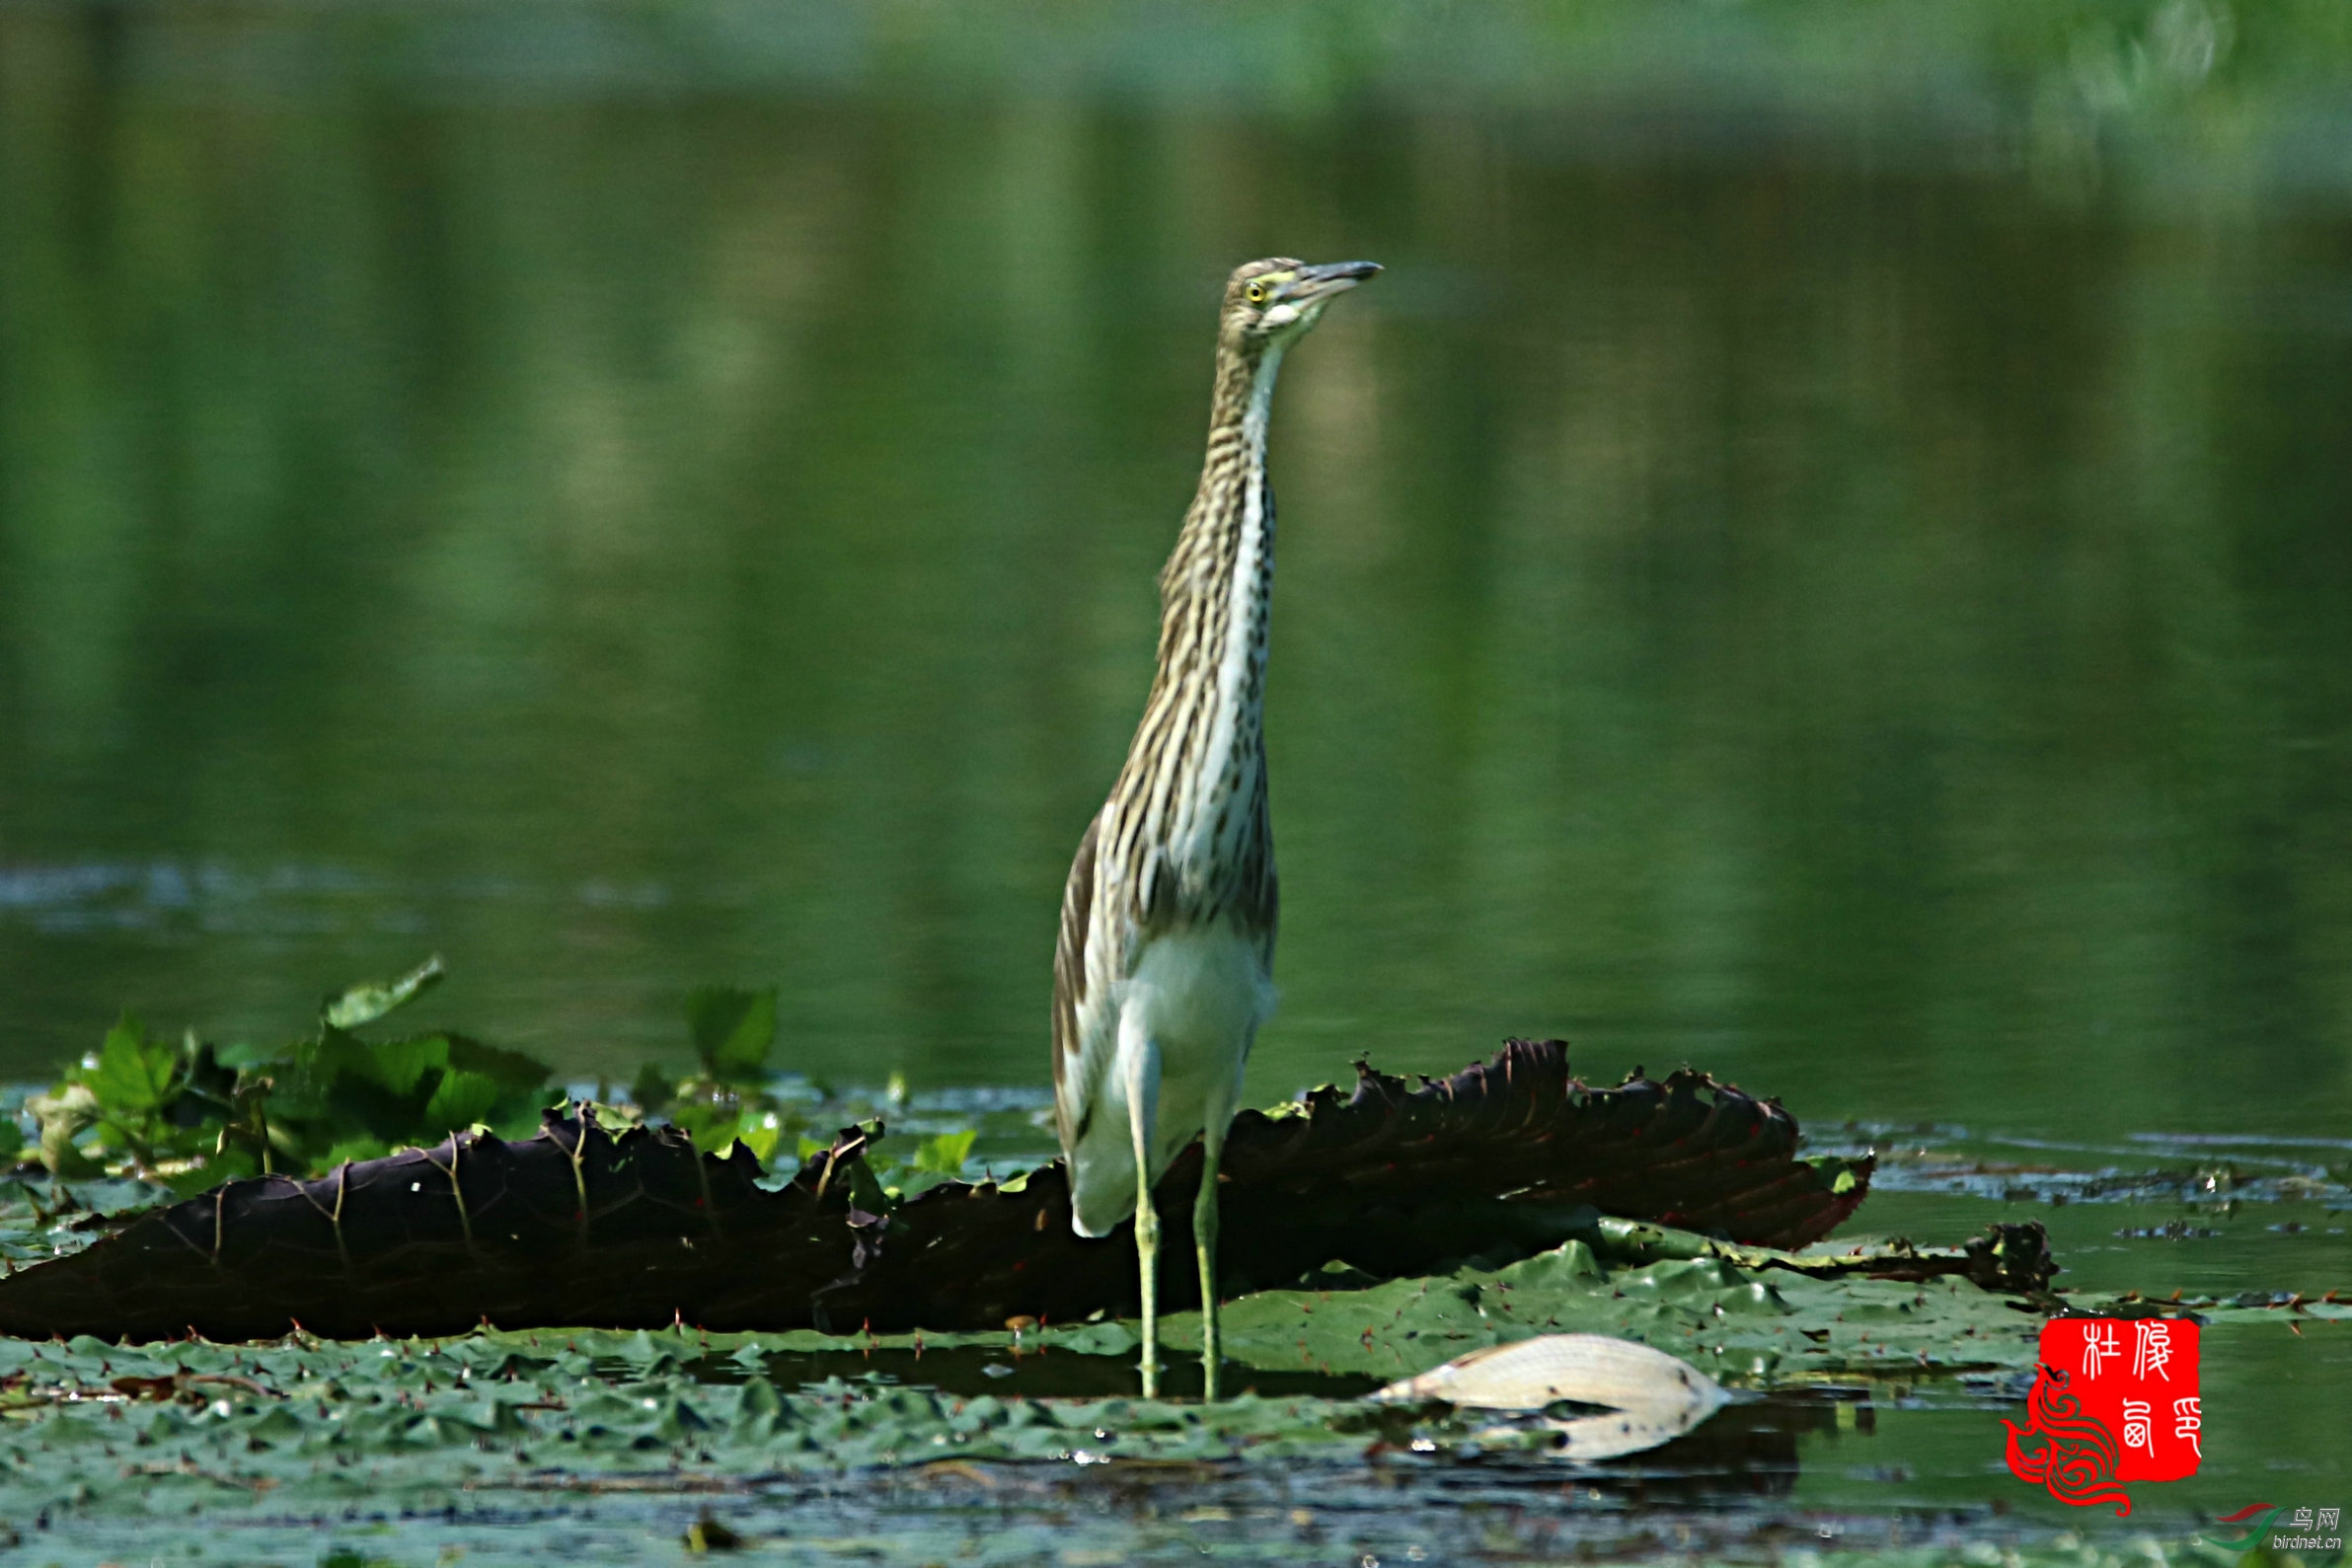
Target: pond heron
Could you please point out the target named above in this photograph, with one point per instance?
(1164, 970)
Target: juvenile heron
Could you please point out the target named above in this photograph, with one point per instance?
(1165, 967)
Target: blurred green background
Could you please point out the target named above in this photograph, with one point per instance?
(1828, 554)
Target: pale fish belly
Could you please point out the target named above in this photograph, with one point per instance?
(1199, 997)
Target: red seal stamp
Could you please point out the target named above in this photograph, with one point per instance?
(2115, 1400)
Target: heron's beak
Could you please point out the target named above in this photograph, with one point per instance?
(1313, 283)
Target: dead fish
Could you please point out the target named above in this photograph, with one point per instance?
(1652, 1397)
(1614, 1435)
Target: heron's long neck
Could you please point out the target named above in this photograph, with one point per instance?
(1202, 728)
(1215, 587)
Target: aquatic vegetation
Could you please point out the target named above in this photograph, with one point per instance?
(300, 1427)
(190, 1113)
(699, 1429)
(666, 1208)
(601, 1220)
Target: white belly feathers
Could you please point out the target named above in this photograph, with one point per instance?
(1186, 1015)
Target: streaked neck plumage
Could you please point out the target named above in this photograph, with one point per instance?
(1206, 841)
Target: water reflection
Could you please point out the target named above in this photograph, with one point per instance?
(1872, 628)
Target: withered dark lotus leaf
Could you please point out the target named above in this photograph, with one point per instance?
(582, 1225)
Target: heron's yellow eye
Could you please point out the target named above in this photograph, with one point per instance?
(1256, 292)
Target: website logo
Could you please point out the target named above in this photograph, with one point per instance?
(2260, 1512)
(2300, 1531)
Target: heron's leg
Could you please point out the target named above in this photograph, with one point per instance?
(1143, 1096)
(1204, 1242)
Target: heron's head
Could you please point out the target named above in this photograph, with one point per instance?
(1273, 301)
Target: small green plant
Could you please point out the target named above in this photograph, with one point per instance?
(188, 1114)
(729, 1099)
(945, 1155)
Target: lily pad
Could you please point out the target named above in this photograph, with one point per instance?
(365, 1004)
